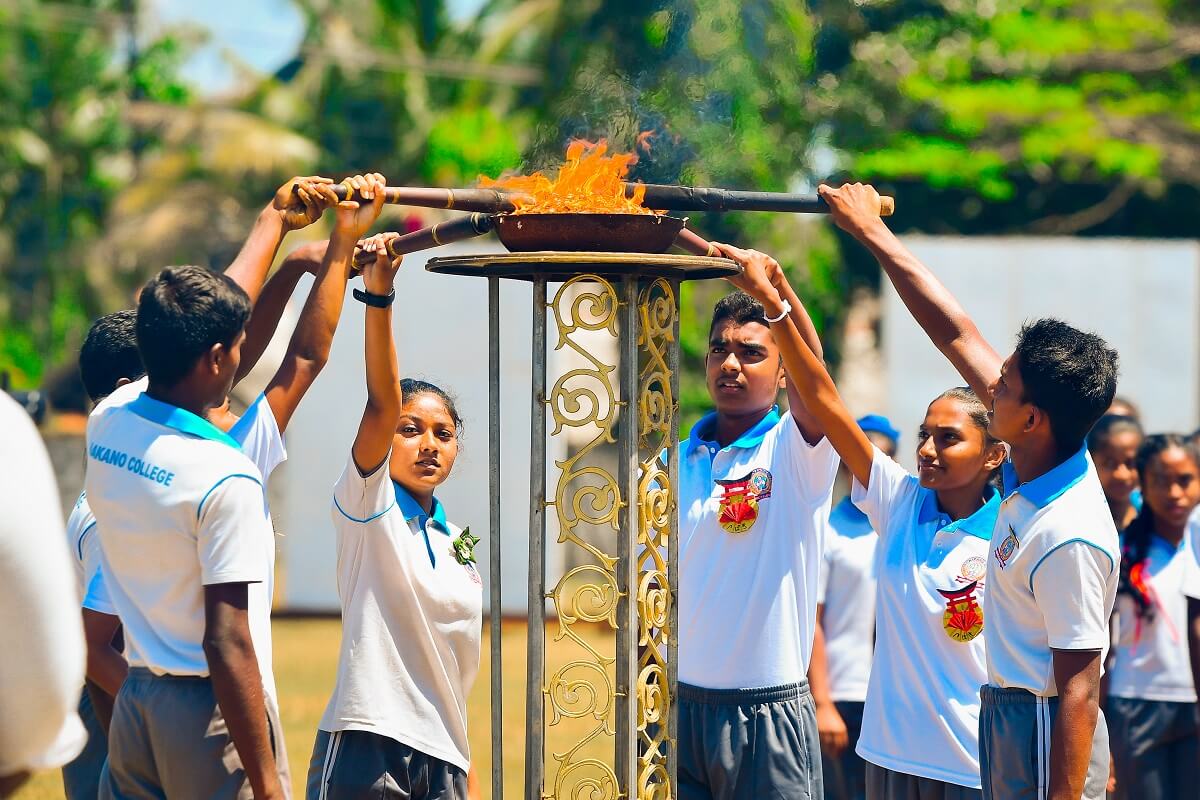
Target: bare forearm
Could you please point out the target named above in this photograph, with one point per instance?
(237, 684)
(106, 668)
(1077, 675)
(818, 670)
(249, 269)
(802, 320)
(267, 313)
(934, 308)
(319, 319)
(383, 377)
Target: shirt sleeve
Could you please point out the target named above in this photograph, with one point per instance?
(228, 539)
(42, 661)
(258, 433)
(888, 484)
(1070, 588)
(815, 464)
(96, 598)
(360, 498)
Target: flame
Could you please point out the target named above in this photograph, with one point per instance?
(590, 182)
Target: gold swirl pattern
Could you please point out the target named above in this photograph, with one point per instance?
(585, 494)
(657, 413)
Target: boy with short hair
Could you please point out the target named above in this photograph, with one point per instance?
(187, 547)
(1054, 565)
(755, 490)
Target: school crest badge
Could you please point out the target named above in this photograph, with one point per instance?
(963, 618)
(740, 499)
(973, 568)
(1007, 547)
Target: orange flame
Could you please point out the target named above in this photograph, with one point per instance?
(590, 182)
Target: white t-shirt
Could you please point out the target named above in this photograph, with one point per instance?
(1191, 581)
(178, 507)
(258, 434)
(922, 711)
(752, 522)
(1053, 571)
(847, 592)
(42, 661)
(412, 618)
(1151, 660)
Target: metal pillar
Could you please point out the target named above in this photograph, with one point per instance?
(615, 703)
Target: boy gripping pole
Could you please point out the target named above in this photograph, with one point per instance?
(755, 491)
(1053, 564)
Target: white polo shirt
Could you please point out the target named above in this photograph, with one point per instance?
(412, 618)
(752, 523)
(85, 557)
(178, 507)
(1151, 660)
(929, 629)
(847, 592)
(257, 433)
(1053, 570)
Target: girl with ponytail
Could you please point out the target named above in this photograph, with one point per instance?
(1151, 707)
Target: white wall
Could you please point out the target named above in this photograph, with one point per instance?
(1143, 296)
(441, 336)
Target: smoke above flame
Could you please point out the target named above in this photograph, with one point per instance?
(589, 182)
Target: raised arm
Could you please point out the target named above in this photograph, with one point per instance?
(288, 211)
(933, 307)
(378, 426)
(278, 289)
(806, 373)
(308, 350)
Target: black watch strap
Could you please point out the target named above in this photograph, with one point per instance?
(375, 300)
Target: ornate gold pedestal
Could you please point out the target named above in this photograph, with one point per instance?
(615, 700)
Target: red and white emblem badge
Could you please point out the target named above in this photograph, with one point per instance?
(963, 618)
(739, 502)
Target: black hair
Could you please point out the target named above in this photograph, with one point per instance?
(1069, 374)
(110, 353)
(411, 387)
(1135, 544)
(739, 307)
(1107, 427)
(182, 312)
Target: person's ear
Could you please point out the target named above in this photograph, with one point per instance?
(997, 454)
(215, 358)
(782, 385)
(123, 382)
(1035, 419)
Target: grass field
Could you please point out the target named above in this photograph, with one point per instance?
(306, 653)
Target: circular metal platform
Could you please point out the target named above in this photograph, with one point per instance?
(559, 265)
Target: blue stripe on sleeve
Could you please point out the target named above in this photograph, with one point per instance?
(368, 519)
(200, 507)
(79, 544)
(1107, 555)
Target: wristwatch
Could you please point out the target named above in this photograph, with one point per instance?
(375, 300)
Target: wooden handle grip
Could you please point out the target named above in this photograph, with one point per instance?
(696, 245)
(887, 206)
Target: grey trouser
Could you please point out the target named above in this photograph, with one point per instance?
(1155, 749)
(1014, 746)
(169, 740)
(745, 744)
(360, 765)
(845, 775)
(884, 784)
(81, 778)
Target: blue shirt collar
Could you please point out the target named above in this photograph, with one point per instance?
(179, 419)
(978, 524)
(702, 432)
(411, 509)
(1049, 486)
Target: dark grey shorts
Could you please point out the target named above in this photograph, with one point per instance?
(747, 744)
(169, 740)
(884, 784)
(1014, 746)
(360, 765)
(81, 778)
(1155, 749)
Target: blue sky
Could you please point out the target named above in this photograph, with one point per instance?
(263, 34)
